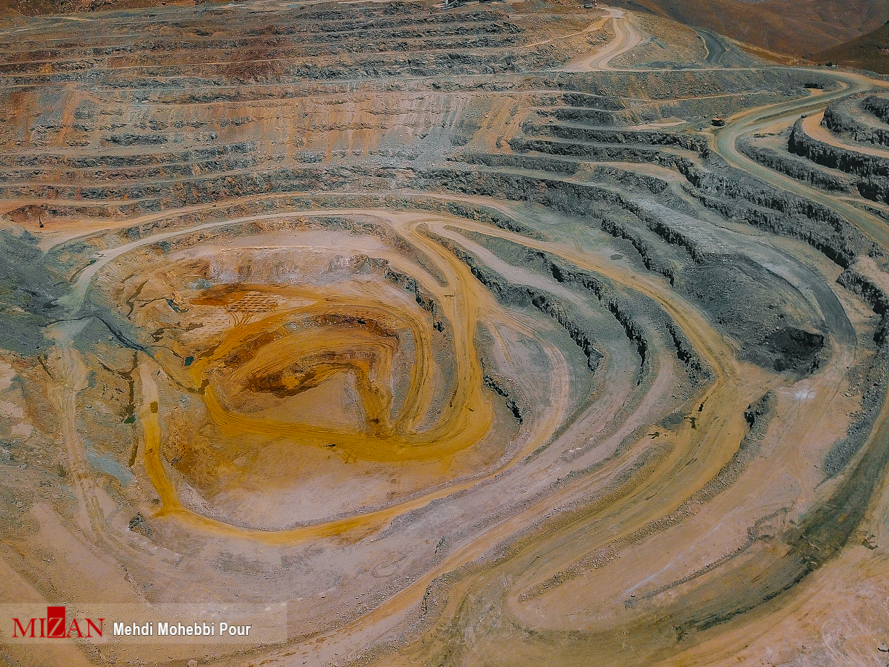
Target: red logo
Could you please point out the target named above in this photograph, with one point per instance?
(55, 626)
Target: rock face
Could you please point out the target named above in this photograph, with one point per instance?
(837, 157)
(426, 337)
(847, 120)
(845, 150)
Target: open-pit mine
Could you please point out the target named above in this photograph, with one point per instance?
(484, 334)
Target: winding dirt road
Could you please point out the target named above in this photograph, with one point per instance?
(754, 120)
(626, 37)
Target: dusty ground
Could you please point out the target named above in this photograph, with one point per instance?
(460, 333)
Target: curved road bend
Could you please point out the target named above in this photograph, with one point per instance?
(747, 122)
